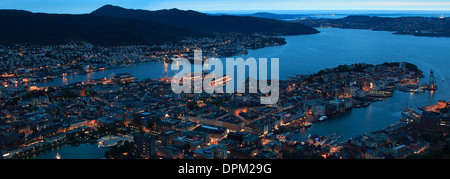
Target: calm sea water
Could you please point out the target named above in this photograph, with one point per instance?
(81, 151)
(332, 47)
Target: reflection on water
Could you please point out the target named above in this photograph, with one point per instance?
(88, 75)
(166, 67)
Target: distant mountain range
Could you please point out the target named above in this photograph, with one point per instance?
(269, 15)
(113, 26)
(208, 23)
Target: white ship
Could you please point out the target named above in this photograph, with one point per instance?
(419, 90)
(323, 118)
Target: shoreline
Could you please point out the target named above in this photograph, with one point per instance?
(53, 146)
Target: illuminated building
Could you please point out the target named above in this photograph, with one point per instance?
(212, 152)
(145, 145)
(167, 136)
(231, 122)
(193, 138)
(215, 133)
(433, 123)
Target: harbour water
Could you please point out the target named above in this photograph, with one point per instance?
(68, 151)
(332, 47)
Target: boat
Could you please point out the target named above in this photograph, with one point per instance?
(418, 90)
(323, 118)
(307, 125)
(365, 104)
(58, 156)
(409, 113)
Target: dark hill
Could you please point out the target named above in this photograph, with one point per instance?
(209, 23)
(418, 26)
(38, 28)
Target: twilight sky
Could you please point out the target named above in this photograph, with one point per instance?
(87, 6)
